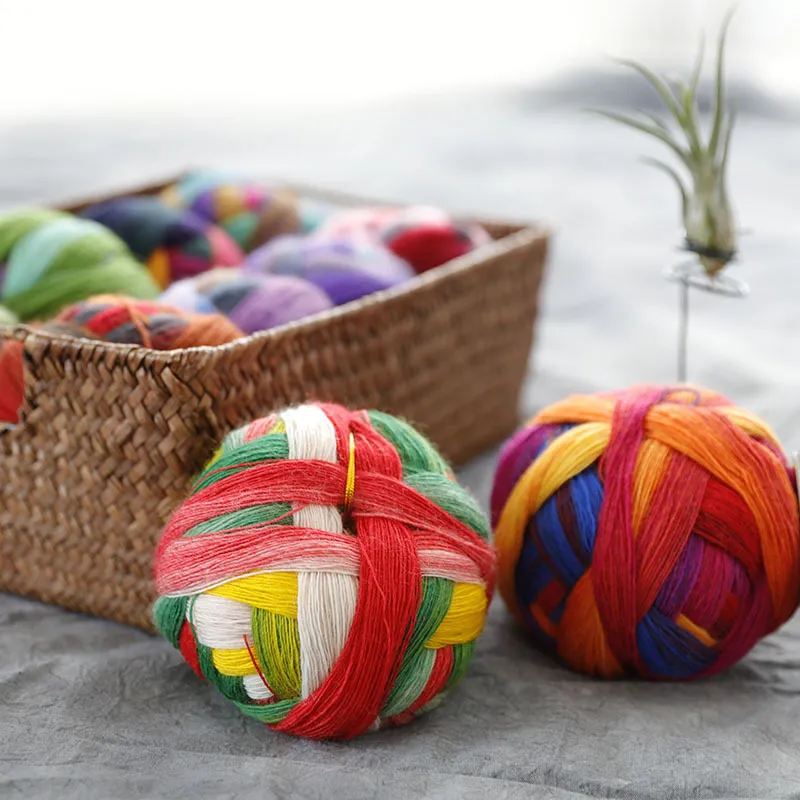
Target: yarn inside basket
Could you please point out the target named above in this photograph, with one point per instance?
(249, 212)
(344, 269)
(60, 259)
(652, 531)
(148, 324)
(172, 243)
(326, 572)
(253, 302)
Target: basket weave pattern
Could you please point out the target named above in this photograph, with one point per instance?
(111, 436)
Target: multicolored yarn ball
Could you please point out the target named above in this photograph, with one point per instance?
(251, 213)
(7, 317)
(254, 302)
(148, 324)
(172, 243)
(651, 532)
(326, 572)
(345, 269)
(54, 259)
(423, 236)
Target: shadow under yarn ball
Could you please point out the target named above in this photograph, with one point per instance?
(345, 269)
(253, 302)
(53, 259)
(249, 212)
(326, 573)
(172, 243)
(650, 532)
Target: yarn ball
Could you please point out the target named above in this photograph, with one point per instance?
(54, 259)
(254, 302)
(173, 243)
(124, 320)
(7, 317)
(423, 236)
(650, 532)
(344, 269)
(250, 213)
(326, 572)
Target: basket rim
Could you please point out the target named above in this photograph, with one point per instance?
(79, 349)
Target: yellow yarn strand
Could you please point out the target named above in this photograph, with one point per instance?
(562, 460)
(464, 619)
(350, 486)
(272, 591)
(237, 663)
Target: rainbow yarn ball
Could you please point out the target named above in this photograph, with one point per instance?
(652, 531)
(250, 213)
(123, 320)
(345, 269)
(172, 243)
(7, 317)
(326, 572)
(54, 259)
(254, 302)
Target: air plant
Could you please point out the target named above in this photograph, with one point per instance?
(708, 218)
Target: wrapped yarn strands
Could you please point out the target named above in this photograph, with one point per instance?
(54, 259)
(148, 324)
(326, 573)
(252, 301)
(344, 269)
(652, 531)
(173, 244)
(250, 213)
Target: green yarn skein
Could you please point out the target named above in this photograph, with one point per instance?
(55, 259)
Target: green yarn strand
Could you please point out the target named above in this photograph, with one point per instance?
(169, 614)
(276, 513)
(451, 497)
(416, 453)
(277, 647)
(270, 713)
(437, 594)
(271, 447)
(230, 686)
(462, 656)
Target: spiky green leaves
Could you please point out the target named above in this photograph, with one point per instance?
(705, 207)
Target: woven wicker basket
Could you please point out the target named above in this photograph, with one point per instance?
(110, 436)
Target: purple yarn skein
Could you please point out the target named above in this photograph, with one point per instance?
(344, 269)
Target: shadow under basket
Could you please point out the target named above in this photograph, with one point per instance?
(110, 436)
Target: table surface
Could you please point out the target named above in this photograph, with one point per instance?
(89, 708)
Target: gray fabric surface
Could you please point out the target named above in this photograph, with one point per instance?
(92, 709)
